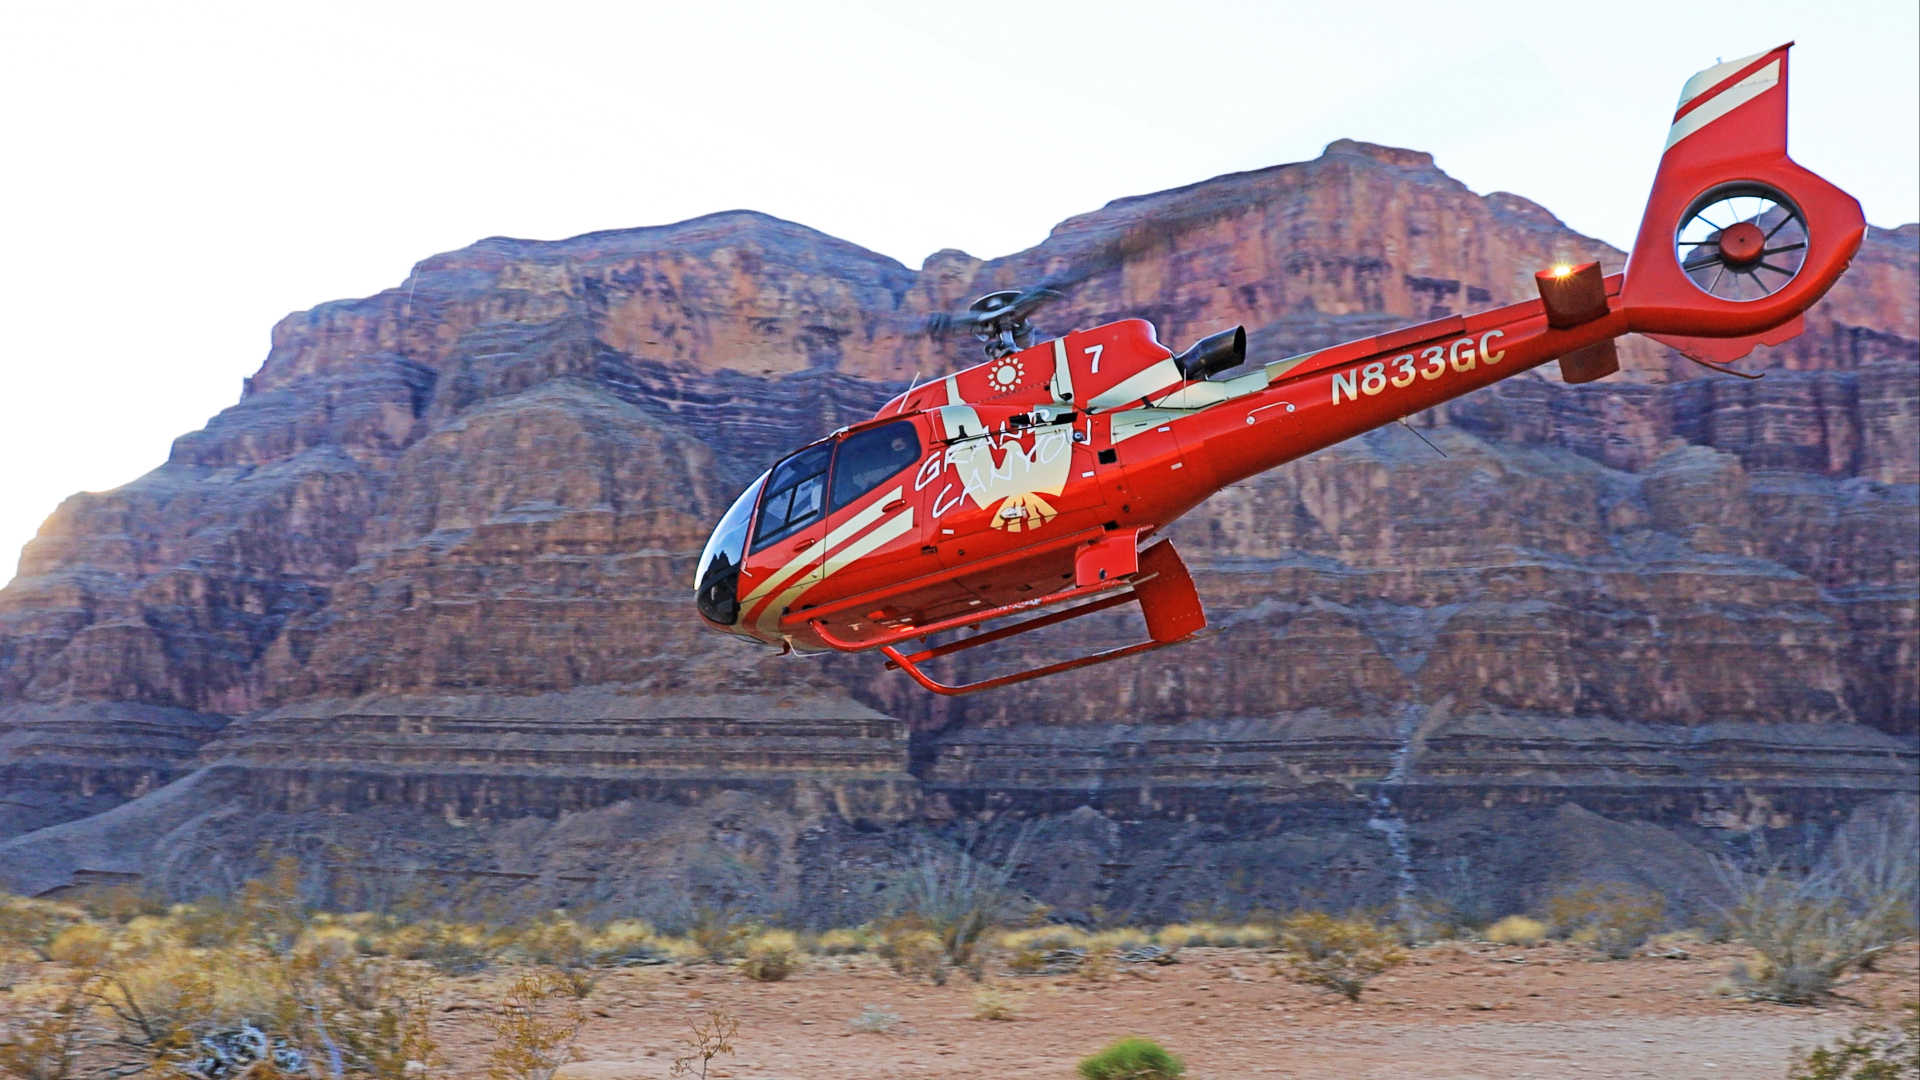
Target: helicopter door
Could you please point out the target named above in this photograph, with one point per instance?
(874, 514)
(785, 558)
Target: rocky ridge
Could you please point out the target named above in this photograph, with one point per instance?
(490, 482)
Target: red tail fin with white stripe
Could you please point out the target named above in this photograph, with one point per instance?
(1738, 240)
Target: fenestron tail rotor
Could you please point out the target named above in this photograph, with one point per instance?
(1741, 242)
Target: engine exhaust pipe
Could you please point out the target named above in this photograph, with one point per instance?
(1215, 353)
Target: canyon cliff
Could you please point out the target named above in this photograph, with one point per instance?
(424, 591)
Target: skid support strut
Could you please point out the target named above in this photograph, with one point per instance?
(1159, 583)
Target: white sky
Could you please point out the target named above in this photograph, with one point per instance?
(176, 177)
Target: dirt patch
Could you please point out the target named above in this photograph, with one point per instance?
(1453, 1011)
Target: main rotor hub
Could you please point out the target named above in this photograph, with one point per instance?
(1001, 327)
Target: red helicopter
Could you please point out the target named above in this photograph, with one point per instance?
(1044, 477)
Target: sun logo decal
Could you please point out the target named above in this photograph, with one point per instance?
(1023, 512)
(1008, 373)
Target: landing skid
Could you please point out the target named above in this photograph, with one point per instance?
(1160, 584)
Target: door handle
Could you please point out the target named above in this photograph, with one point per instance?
(803, 545)
(892, 506)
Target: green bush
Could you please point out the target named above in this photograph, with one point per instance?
(1869, 1053)
(1132, 1059)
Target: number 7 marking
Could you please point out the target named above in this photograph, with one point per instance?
(1095, 351)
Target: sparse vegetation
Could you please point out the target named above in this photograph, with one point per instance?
(914, 952)
(266, 1003)
(1248, 936)
(1132, 1059)
(1613, 919)
(32, 925)
(711, 1037)
(263, 986)
(1808, 928)
(875, 1020)
(535, 1027)
(719, 934)
(994, 1003)
(1517, 930)
(843, 942)
(1869, 1052)
(956, 899)
(772, 955)
(1339, 954)
(44, 1038)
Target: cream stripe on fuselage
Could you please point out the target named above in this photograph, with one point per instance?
(887, 531)
(769, 620)
(838, 536)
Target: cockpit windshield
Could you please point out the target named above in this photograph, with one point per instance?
(796, 494)
(716, 581)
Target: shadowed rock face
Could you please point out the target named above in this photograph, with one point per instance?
(491, 481)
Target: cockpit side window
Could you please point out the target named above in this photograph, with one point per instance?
(796, 494)
(868, 458)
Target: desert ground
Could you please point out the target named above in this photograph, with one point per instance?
(1454, 1010)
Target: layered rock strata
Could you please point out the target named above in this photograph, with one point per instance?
(499, 757)
(445, 522)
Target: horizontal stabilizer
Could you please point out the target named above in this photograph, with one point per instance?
(1722, 351)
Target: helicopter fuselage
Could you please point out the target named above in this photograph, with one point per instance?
(1047, 476)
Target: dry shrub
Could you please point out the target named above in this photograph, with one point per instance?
(710, 1038)
(534, 1028)
(1335, 953)
(719, 933)
(30, 926)
(626, 941)
(1870, 1052)
(1123, 939)
(45, 1031)
(82, 945)
(994, 1003)
(956, 898)
(1808, 928)
(372, 1016)
(1187, 935)
(1098, 967)
(159, 1007)
(843, 942)
(556, 941)
(771, 956)
(875, 1020)
(1613, 919)
(1028, 961)
(122, 903)
(279, 996)
(914, 952)
(1517, 930)
(321, 1001)
(452, 948)
(1032, 949)
(208, 924)
(1043, 938)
